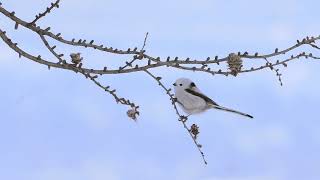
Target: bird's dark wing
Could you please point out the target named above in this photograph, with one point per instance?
(204, 97)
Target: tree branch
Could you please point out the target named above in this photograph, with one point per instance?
(235, 62)
(182, 119)
(47, 11)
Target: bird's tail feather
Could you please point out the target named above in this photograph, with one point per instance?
(230, 110)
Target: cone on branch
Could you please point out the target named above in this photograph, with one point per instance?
(234, 64)
(76, 58)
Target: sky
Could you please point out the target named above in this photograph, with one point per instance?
(58, 125)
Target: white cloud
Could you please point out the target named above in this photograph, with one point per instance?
(100, 169)
(258, 177)
(92, 172)
(7, 55)
(282, 32)
(294, 77)
(267, 137)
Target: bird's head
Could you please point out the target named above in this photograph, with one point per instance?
(183, 83)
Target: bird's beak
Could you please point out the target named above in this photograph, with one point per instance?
(174, 84)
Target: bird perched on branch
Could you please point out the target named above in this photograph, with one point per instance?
(193, 101)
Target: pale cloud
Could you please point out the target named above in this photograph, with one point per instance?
(100, 169)
(193, 28)
(257, 177)
(282, 33)
(294, 76)
(271, 136)
(7, 55)
(93, 115)
(92, 172)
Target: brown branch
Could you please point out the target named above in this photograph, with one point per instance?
(233, 61)
(182, 119)
(145, 41)
(64, 65)
(47, 11)
(283, 62)
(59, 38)
(176, 63)
(88, 75)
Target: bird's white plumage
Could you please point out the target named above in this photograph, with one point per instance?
(193, 101)
(189, 103)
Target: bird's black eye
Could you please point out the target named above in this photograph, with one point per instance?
(180, 84)
(193, 84)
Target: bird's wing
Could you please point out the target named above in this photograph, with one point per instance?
(196, 92)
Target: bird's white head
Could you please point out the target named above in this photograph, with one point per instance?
(182, 84)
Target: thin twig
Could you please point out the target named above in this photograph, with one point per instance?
(145, 41)
(182, 119)
(208, 65)
(47, 11)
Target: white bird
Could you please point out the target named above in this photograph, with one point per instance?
(193, 101)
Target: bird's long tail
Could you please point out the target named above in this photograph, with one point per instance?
(230, 110)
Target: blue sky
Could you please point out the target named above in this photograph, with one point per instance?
(57, 125)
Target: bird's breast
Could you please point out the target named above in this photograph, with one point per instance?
(191, 104)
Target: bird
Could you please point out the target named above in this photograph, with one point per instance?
(193, 101)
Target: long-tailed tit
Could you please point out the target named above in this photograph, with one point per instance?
(193, 101)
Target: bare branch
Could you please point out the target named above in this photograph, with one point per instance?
(235, 62)
(182, 119)
(47, 11)
(145, 41)
(64, 65)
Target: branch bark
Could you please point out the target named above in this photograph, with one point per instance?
(234, 61)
